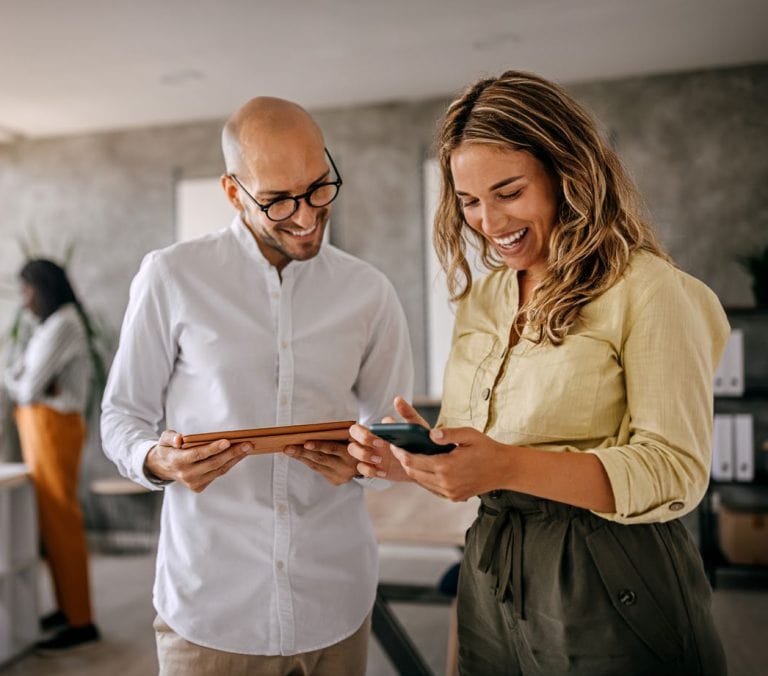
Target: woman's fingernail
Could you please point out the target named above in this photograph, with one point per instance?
(437, 434)
(375, 459)
(380, 443)
(290, 451)
(223, 445)
(381, 474)
(247, 448)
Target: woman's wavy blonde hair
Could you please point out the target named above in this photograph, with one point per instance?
(598, 225)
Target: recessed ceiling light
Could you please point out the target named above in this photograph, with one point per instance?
(496, 40)
(182, 76)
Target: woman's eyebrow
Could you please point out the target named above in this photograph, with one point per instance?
(506, 181)
(496, 186)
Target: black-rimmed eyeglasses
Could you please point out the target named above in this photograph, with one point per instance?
(319, 195)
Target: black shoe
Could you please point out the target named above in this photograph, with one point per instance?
(53, 620)
(70, 637)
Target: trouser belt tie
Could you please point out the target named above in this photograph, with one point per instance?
(502, 555)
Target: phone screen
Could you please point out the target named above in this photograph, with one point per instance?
(411, 437)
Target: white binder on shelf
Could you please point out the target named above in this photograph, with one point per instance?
(743, 447)
(729, 378)
(722, 448)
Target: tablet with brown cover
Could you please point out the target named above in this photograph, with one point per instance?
(271, 439)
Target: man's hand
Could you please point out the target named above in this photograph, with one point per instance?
(194, 467)
(326, 457)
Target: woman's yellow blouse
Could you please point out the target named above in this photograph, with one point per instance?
(631, 383)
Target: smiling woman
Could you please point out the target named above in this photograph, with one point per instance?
(579, 404)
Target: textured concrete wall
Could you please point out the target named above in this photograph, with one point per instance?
(697, 145)
(695, 142)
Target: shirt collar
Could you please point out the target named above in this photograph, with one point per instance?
(246, 239)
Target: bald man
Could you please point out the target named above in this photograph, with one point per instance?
(266, 563)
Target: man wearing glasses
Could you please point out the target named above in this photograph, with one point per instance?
(269, 565)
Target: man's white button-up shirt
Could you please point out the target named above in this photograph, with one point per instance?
(270, 558)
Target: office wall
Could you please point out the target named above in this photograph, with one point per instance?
(696, 143)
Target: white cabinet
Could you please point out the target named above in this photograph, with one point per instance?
(18, 561)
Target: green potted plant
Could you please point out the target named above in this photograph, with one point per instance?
(756, 266)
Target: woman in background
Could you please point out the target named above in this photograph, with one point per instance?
(579, 394)
(49, 380)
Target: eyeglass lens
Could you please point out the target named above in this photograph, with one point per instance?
(320, 196)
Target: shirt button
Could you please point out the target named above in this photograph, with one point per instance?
(486, 393)
(284, 344)
(281, 509)
(284, 401)
(279, 565)
(676, 506)
(627, 597)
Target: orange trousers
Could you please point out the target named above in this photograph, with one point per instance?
(51, 445)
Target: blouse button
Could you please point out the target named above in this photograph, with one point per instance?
(486, 393)
(627, 597)
(676, 506)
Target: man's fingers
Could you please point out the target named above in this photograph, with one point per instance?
(327, 447)
(193, 470)
(244, 446)
(202, 453)
(208, 477)
(170, 438)
(317, 458)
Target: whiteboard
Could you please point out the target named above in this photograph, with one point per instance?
(440, 311)
(202, 207)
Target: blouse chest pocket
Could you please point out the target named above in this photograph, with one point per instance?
(464, 367)
(551, 392)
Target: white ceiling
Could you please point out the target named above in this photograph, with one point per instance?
(81, 65)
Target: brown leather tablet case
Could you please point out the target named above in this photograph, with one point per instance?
(271, 439)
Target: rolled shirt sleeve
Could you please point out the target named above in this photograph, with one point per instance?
(669, 357)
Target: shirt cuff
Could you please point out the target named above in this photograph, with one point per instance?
(139, 455)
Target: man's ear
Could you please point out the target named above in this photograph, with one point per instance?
(230, 190)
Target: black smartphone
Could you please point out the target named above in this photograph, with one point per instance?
(410, 436)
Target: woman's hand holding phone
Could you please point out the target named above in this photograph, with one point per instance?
(375, 459)
(478, 465)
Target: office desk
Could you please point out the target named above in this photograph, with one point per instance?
(407, 514)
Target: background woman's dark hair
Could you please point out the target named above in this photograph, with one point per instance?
(52, 290)
(51, 286)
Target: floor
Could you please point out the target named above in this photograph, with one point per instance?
(122, 585)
